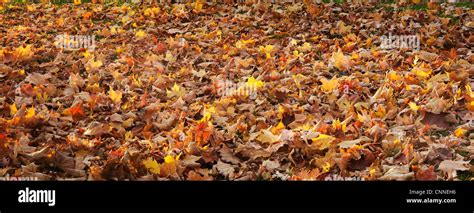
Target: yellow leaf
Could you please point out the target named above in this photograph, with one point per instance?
(242, 43)
(92, 64)
(175, 91)
(470, 106)
(267, 50)
(13, 109)
(169, 159)
(421, 72)
(169, 57)
(372, 172)
(151, 11)
(469, 92)
(338, 125)
(169, 167)
(119, 50)
(413, 106)
(24, 51)
(326, 167)
(294, 42)
(77, 2)
(254, 83)
(279, 127)
(342, 28)
(340, 60)
(198, 5)
(30, 112)
(125, 19)
(323, 141)
(460, 132)
(281, 111)
(329, 85)
(152, 165)
(140, 34)
(380, 112)
(268, 137)
(207, 114)
(305, 48)
(30, 8)
(393, 76)
(298, 78)
(116, 96)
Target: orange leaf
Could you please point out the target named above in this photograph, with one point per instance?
(202, 133)
(427, 174)
(86, 15)
(75, 111)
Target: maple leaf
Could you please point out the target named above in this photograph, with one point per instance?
(422, 71)
(460, 132)
(30, 113)
(115, 96)
(169, 167)
(169, 57)
(92, 65)
(342, 28)
(397, 173)
(202, 133)
(3, 142)
(337, 125)
(243, 43)
(87, 15)
(197, 6)
(341, 61)
(254, 83)
(392, 75)
(278, 128)
(267, 49)
(298, 79)
(24, 52)
(176, 91)
(450, 167)
(224, 168)
(152, 165)
(13, 109)
(75, 111)
(413, 106)
(323, 141)
(194, 176)
(140, 34)
(427, 174)
(329, 85)
(267, 136)
(306, 47)
(151, 11)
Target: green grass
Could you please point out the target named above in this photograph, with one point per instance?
(419, 7)
(469, 5)
(334, 1)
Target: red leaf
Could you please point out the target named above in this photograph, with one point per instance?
(427, 174)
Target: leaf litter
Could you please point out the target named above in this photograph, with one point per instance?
(147, 104)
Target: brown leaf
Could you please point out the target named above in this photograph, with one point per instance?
(450, 167)
(224, 168)
(426, 174)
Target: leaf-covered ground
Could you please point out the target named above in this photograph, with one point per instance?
(145, 104)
